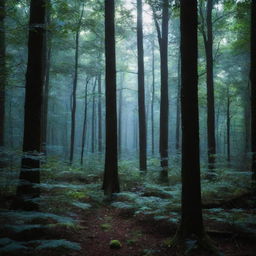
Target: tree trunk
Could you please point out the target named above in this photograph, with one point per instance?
(110, 182)
(228, 126)
(99, 115)
(93, 117)
(208, 42)
(120, 112)
(30, 174)
(253, 90)
(141, 91)
(73, 110)
(164, 102)
(2, 71)
(191, 219)
(153, 100)
(84, 122)
(177, 144)
(47, 78)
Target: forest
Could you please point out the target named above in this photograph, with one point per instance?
(127, 127)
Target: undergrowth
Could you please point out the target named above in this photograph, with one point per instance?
(66, 190)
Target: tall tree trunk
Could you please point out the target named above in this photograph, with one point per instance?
(2, 71)
(253, 90)
(93, 117)
(164, 103)
(99, 115)
(177, 144)
(191, 219)
(47, 77)
(228, 125)
(208, 42)
(73, 110)
(162, 35)
(141, 91)
(110, 182)
(120, 115)
(153, 100)
(30, 174)
(84, 122)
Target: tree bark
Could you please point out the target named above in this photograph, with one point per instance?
(141, 91)
(84, 122)
(162, 35)
(110, 182)
(2, 71)
(228, 125)
(191, 218)
(177, 144)
(253, 90)
(153, 100)
(99, 115)
(120, 115)
(30, 173)
(208, 42)
(93, 116)
(47, 77)
(73, 110)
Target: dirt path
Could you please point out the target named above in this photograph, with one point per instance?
(138, 237)
(106, 224)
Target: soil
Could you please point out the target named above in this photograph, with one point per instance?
(139, 236)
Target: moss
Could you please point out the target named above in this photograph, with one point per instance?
(115, 244)
(106, 226)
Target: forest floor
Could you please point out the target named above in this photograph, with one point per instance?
(74, 220)
(140, 236)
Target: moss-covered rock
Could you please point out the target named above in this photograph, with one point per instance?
(115, 244)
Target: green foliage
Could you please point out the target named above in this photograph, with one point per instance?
(11, 245)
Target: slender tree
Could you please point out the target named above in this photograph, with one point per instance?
(47, 76)
(93, 116)
(2, 71)
(177, 144)
(253, 88)
(208, 44)
(120, 114)
(228, 117)
(111, 181)
(141, 90)
(162, 34)
(153, 100)
(84, 121)
(99, 114)
(74, 89)
(30, 173)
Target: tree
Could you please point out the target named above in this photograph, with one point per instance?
(47, 76)
(99, 114)
(191, 227)
(162, 35)
(253, 87)
(110, 182)
(84, 121)
(2, 71)
(73, 110)
(208, 44)
(153, 99)
(30, 174)
(141, 90)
